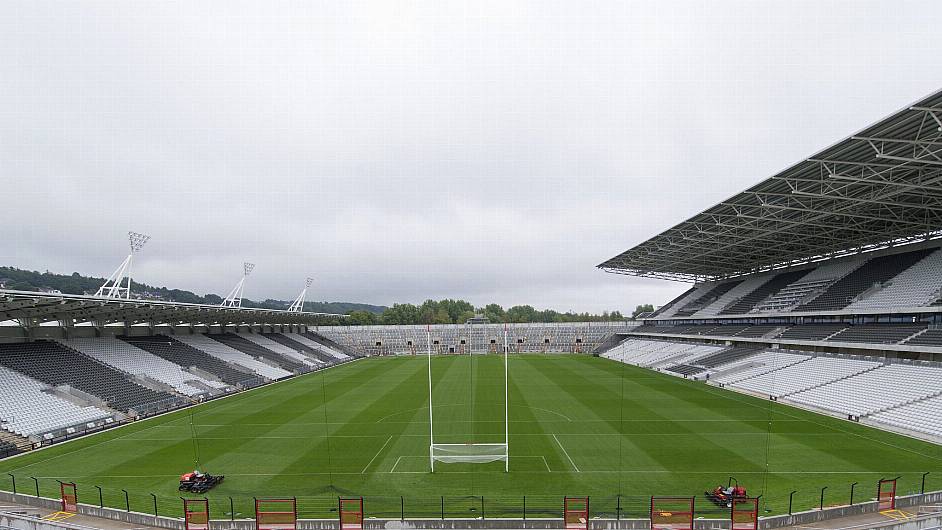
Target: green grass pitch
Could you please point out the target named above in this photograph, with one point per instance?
(570, 434)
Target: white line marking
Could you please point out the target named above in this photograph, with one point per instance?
(567, 454)
(377, 454)
(393, 470)
(590, 472)
(548, 470)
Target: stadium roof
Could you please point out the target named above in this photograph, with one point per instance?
(32, 309)
(880, 187)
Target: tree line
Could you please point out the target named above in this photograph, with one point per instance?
(450, 311)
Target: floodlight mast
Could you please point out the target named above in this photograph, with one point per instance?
(234, 298)
(114, 286)
(298, 305)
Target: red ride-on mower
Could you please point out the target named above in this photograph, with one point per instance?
(724, 496)
(197, 482)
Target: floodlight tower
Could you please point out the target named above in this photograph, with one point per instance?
(234, 298)
(118, 285)
(298, 305)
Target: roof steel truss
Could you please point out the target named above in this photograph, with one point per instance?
(879, 188)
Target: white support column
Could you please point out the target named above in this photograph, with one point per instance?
(506, 409)
(431, 430)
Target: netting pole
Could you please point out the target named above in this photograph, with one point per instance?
(506, 409)
(431, 430)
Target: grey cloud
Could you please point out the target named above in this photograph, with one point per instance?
(397, 151)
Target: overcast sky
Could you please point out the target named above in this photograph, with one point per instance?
(396, 151)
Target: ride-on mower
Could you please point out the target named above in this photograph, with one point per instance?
(724, 496)
(198, 482)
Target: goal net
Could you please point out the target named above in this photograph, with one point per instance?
(477, 449)
(472, 453)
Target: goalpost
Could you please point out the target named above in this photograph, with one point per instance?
(473, 453)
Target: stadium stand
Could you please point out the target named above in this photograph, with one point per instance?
(191, 358)
(260, 353)
(740, 290)
(756, 332)
(878, 333)
(872, 273)
(728, 355)
(669, 308)
(58, 365)
(328, 355)
(811, 332)
(28, 409)
(884, 388)
(232, 355)
(917, 286)
(686, 369)
(756, 365)
(706, 299)
(808, 286)
(930, 337)
(923, 416)
(132, 360)
(804, 375)
(330, 346)
(281, 349)
(311, 352)
(778, 282)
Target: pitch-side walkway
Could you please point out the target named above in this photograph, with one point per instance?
(83, 521)
(925, 517)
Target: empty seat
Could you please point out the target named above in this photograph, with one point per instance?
(232, 355)
(133, 360)
(191, 358)
(56, 364)
(27, 410)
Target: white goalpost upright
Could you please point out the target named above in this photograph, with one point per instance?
(472, 453)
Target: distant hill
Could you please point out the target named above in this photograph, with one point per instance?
(75, 283)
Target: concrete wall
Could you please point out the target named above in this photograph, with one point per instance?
(143, 519)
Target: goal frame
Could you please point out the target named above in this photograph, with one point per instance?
(576, 513)
(662, 518)
(496, 456)
(69, 495)
(886, 494)
(350, 513)
(196, 519)
(276, 514)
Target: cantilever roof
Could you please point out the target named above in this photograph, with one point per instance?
(877, 188)
(32, 309)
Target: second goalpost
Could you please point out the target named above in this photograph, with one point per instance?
(471, 452)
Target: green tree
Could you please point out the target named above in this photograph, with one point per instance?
(494, 313)
(643, 308)
(361, 318)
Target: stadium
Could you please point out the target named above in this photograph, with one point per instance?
(798, 379)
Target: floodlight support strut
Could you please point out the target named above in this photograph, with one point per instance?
(118, 285)
(234, 298)
(298, 305)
